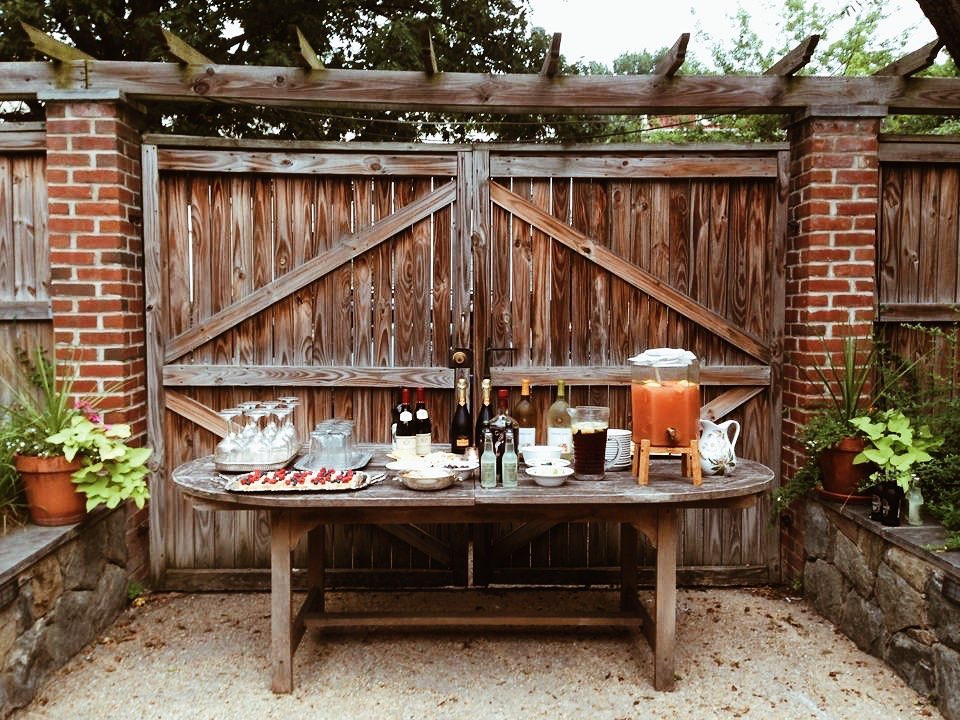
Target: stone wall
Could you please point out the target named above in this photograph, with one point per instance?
(894, 599)
(57, 600)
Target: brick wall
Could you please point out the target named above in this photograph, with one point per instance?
(96, 259)
(830, 266)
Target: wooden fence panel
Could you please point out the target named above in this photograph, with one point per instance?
(229, 233)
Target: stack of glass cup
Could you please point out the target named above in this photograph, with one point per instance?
(267, 437)
(331, 446)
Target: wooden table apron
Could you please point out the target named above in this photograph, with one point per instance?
(652, 509)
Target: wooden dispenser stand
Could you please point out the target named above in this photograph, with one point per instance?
(689, 461)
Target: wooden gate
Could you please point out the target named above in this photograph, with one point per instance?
(340, 275)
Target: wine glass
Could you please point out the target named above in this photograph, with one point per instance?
(229, 447)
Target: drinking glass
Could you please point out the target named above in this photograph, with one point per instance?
(228, 449)
(589, 425)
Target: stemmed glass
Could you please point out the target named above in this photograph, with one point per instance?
(229, 447)
(271, 428)
(258, 448)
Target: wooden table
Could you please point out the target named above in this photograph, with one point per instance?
(652, 509)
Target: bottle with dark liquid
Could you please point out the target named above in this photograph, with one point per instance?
(406, 431)
(485, 413)
(461, 425)
(423, 427)
(500, 425)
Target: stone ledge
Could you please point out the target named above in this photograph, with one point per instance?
(911, 538)
(25, 546)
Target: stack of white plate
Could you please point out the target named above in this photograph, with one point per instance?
(617, 452)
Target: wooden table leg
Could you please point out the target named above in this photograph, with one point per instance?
(281, 601)
(666, 600)
(628, 567)
(316, 571)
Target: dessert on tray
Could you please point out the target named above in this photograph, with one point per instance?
(322, 479)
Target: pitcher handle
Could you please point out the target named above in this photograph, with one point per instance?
(726, 430)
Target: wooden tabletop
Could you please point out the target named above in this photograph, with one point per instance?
(199, 479)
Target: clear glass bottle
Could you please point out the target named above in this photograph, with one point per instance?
(914, 501)
(526, 416)
(559, 433)
(488, 462)
(508, 463)
(501, 424)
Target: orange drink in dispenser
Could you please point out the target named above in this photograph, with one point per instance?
(665, 394)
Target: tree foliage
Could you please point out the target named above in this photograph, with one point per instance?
(468, 36)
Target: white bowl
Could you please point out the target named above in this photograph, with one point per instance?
(428, 479)
(539, 454)
(549, 475)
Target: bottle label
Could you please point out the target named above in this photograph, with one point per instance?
(462, 442)
(406, 446)
(560, 437)
(527, 436)
(422, 414)
(422, 443)
(406, 416)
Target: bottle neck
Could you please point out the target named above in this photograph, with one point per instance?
(525, 389)
(485, 386)
(461, 392)
(561, 390)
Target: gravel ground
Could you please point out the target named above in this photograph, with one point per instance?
(742, 653)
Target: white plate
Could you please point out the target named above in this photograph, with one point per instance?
(422, 463)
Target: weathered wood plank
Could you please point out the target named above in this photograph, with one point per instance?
(671, 61)
(281, 163)
(796, 59)
(758, 375)
(297, 375)
(22, 309)
(641, 279)
(560, 261)
(623, 166)
(451, 91)
(26, 240)
(925, 150)
(309, 271)
(195, 412)
(23, 140)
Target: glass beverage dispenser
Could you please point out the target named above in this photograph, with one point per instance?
(665, 394)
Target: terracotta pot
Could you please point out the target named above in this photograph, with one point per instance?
(838, 475)
(52, 497)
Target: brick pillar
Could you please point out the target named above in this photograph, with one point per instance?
(96, 261)
(830, 272)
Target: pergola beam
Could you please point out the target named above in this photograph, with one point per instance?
(309, 55)
(671, 62)
(794, 60)
(479, 92)
(551, 59)
(427, 55)
(183, 52)
(914, 62)
(58, 51)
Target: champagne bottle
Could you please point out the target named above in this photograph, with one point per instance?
(509, 463)
(526, 416)
(558, 423)
(461, 426)
(502, 424)
(488, 462)
(406, 432)
(423, 427)
(485, 414)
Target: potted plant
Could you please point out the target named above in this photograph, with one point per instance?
(69, 459)
(831, 441)
(894, 447)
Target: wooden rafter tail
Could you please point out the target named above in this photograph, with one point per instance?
(58, 51)
(551, 60)
(183, 52)
(668, 65)
(309, 55)
(796, 59)
(427, 54)
(914, 62)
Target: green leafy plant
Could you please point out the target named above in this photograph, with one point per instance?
(45, 419)
(894, 446)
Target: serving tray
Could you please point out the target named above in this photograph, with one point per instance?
(241, 467)
(322, 480)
